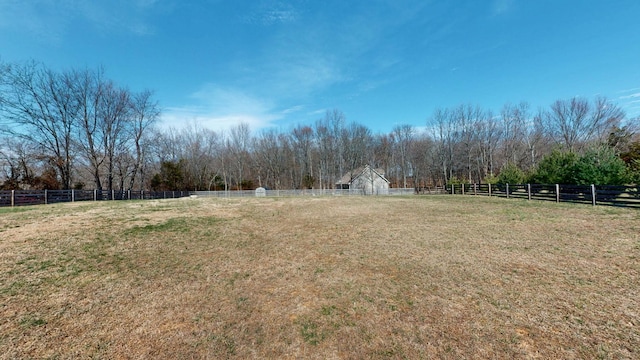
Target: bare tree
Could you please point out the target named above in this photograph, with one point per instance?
(355, 141)
(536, 141)
(270, 154)
(326, 144)
(515, 120)
(423, 161)
(302, 140)
(40, 108)
(144, 114)
(383, 156)
(197, 152)
(4, 70)
(88, 89)
(200, 147)
(466, 119)
(105, 125)
(238, 145)
(576, 122)
(115, 117)
(17, 164)
(488, 138)
(404, 137)
(330, 147)
(443, 129)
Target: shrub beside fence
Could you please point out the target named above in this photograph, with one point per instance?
(613, 195)
(42, 197)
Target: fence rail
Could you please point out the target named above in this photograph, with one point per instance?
(613, 195)
(42, 197)
(306, 192)
(628, 196)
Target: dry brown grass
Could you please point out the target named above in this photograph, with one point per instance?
(353, 278)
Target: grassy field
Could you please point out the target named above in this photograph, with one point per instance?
(353, 278)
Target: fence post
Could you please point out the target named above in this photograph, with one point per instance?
(593, 195)
(73, 195)
(462, 187)
(13, 198)
(558, 193)
(45, 196)
(489, 189)
(113, 194)
(475, 189)
(507, 191)
(528, 191)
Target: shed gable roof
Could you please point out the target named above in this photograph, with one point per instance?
(349, 177)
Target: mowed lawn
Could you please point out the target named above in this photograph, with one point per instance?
(329, 277)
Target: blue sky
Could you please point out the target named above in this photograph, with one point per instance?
(278, 64)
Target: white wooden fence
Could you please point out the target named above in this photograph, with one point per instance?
(305, 192)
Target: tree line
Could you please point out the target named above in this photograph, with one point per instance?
(77, 129)
(577, 141)
(63, 130)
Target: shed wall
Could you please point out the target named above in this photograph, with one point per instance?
(371, 184)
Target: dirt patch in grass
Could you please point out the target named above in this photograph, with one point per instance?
(362, 277)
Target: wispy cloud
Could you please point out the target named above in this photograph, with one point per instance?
(119, 16)
(220, 109)
(293, 73)
(629, 90)
(50, 21)
(318, 112)
(40, 18)
(180, 117)
(277, 16)
(293, 109)
(630, 102)
(302, 74)
(294, 64)
(272, 13)
(632, 96)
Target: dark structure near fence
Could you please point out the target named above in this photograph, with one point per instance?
(613, 195)
(42, 197)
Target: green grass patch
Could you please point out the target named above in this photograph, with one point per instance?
(32, 321)
(16, 209)
(180, 225)
(310, 332)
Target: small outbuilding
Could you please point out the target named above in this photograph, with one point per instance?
(371, 181)
(260, 192)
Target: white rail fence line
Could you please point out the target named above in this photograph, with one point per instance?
(306, 192)
(12, 198)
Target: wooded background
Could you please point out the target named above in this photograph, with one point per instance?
(77, 129)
